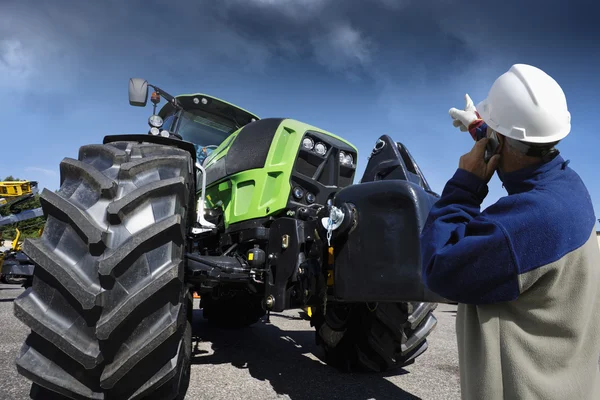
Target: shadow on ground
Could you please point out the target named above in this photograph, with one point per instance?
(7, 300)
(281, 358)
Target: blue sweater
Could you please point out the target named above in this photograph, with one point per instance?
(526, 275)
(476, 257)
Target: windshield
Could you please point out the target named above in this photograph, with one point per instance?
(205, 131)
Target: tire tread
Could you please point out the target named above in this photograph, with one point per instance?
(371, 340)
(106, 307)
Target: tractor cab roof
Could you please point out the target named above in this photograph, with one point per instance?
(210, 104)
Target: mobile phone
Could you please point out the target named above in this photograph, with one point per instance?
(491, 147)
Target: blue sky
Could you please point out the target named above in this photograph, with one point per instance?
(359, 69)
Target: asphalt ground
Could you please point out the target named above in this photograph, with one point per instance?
(276, 360)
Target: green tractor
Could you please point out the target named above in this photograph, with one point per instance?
(255, 215)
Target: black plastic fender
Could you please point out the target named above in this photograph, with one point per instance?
(377, 255)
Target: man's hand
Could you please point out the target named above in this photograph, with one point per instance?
(473, 161)
(464, 118)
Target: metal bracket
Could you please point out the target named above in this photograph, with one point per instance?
(333, 222)
(200, 208)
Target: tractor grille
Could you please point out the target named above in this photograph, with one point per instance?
(321, 174)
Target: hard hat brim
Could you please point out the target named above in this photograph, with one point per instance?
(483, 108)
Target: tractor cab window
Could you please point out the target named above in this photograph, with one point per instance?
(204, 130)
(168, 122)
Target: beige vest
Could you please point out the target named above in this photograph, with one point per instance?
(543, 345)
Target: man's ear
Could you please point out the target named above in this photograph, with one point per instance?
(501, 142)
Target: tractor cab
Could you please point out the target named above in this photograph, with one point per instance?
(203, 120)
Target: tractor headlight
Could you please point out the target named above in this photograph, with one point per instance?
(165, 133)
(310, 198)
(308, 143)
(154, 131)
(348, 160)
(155, 121)
(320, 148)
(298, 192)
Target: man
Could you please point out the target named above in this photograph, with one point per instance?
(526, 270)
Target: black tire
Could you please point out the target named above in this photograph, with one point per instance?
(233, 312)
(373, 337)
(109, 312)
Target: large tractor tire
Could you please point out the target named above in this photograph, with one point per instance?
(232, 312)
(373, 337)
(109, 312)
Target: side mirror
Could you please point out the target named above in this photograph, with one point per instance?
(138, 92)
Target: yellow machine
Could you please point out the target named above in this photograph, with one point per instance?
(16, 188)
(13, 262)
(15, 266)
(15, 246)
(12, 192)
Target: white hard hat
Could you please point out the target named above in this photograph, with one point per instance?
(527, 104)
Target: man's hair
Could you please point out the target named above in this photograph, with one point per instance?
(546, 151)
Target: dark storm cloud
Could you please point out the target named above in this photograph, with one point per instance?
(62, 41)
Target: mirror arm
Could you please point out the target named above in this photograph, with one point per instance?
(166, 96)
